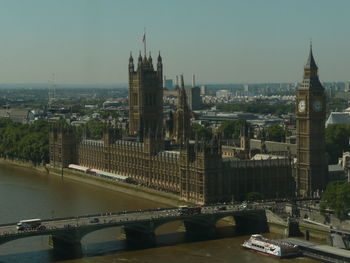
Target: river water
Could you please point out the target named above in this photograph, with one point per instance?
(29, 194)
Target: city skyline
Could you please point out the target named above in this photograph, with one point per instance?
(88, 42)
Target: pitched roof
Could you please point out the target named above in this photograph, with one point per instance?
(310, 63)
(16, 115)
(274, 147)
(338, 118)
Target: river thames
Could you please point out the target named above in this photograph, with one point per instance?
(28, 194)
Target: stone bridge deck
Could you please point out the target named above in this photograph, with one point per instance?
(139, 226)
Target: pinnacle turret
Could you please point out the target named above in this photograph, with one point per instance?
(182, 104)
(159, 63)
(182, 120)
(140, 60)
(131, 63)
(182, 85)
(150, 61)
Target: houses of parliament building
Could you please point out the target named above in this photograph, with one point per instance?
(160, 154)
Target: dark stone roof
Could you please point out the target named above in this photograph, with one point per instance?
(338, 118)
(335, 168)
(16, 115)
(311, 64)
(274, 147)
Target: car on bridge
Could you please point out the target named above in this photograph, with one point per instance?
(94, 220)
(29, 224)
(41, 227)
(243, 206)
(186, 211)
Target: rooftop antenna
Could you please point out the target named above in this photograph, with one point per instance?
(52, 90)
(310, 43)
(54, 86)
(50, 95)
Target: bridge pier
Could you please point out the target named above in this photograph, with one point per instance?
(293, 229)
(141, 236)
(66, 244)
(251, 222)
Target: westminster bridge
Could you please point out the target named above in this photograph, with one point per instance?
(139, 226)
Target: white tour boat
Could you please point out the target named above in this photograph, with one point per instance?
(270, 247)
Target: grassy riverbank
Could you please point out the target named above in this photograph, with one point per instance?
(167, 199)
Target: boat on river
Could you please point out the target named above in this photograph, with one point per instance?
(276, 248)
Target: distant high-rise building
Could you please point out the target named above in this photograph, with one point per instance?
(203, 90)
(223, 93)
(177, 82)
(347, 86)
(247, 90)
(168, 84)
(311, 168)
(194, 100)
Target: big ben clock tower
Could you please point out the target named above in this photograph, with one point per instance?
(311, 167)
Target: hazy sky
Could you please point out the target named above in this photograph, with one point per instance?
(89, 41)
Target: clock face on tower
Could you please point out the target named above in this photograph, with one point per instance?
(317, 105)
(302, 106)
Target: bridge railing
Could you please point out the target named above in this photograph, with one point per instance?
(96, 215)
(125, 221)
(114, 213)
(8, 224)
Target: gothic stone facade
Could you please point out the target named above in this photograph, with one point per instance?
(196, 172)
(145, 95)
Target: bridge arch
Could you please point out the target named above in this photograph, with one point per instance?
(102, 234)
(95, 230)
(225, 220)
(170, 226)
(41, 241)
(225, 225)
(251, 222)
(10, 239)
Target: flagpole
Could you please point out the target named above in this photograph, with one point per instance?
(144, 41)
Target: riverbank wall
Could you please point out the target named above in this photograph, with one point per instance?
(166, 199)
(280, 226)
